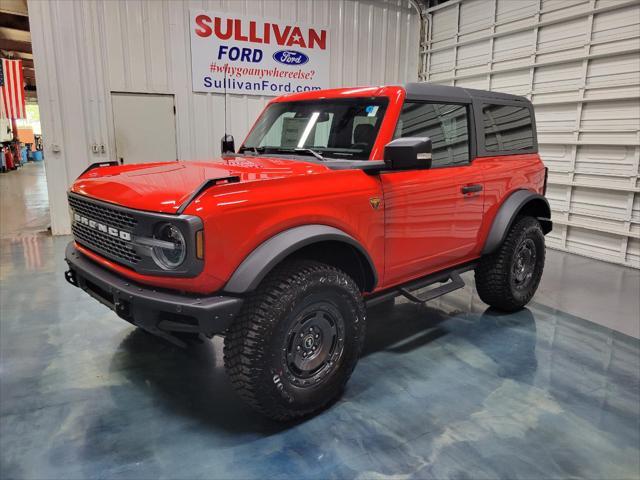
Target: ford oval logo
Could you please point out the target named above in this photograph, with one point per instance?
(290, 57)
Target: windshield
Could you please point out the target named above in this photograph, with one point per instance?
(331, 128)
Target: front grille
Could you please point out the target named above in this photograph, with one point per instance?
(101, 213)
(110, 246)
(113, 247)
(122, 234)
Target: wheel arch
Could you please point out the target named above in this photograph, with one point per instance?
(316, 242)
(520, 202)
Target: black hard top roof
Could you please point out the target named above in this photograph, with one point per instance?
(432, 91)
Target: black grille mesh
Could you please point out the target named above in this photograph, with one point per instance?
(110, 216)
(116, 248)
(113, 247)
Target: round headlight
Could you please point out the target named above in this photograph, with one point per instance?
(172, 255)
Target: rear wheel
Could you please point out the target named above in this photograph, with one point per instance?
(293, 347)
(508, 278)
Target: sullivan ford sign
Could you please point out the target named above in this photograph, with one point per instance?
(255, 56)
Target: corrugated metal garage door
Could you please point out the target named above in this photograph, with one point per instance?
(579, 62)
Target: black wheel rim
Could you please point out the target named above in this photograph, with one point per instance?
(524, 264)
(314, 344)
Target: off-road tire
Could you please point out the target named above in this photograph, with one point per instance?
(495, 278)
(258, 344)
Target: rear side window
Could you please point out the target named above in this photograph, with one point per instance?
(507, 128)
(446, 125)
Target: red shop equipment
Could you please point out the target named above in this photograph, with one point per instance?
(8, 159)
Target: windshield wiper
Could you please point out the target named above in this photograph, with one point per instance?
(312, 152)
(267, 149)
(255, 150)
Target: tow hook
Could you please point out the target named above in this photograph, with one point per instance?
(70, 276)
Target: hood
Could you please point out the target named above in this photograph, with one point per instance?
(164, 187)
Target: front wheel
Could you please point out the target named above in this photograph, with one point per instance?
(297, 340)
(508, 278)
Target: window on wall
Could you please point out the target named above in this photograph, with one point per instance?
(446, 125)
(507, 128)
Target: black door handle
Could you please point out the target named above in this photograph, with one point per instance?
(471, 188)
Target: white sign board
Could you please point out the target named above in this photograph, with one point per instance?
(254, 56)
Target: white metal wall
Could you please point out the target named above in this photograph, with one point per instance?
(579, 62)
(85, 50)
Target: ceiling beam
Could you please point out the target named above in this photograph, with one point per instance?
(16, 22)
(16, 35)
(17, 55)
(17, 7)
(13, 46)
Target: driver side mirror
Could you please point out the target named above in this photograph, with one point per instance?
(227, 144)
(408, 153)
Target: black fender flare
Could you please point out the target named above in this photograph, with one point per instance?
(267, 255)
(508, 212)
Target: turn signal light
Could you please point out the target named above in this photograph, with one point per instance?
(200, 244)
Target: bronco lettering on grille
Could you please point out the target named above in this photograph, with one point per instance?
(114, 232)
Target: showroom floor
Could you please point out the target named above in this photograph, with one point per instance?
(451, 390)
(23, 200)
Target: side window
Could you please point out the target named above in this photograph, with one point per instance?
(507, 128)
(446, 125)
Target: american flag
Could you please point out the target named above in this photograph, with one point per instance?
(12, 88)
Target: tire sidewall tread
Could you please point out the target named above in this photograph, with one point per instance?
(254, 342)
(493, 273)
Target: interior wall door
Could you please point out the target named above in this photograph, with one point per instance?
(145, 127)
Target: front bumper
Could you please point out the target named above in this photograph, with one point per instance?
(164, 313)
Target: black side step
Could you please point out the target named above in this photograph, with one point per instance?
(450, 280)
(455, 283)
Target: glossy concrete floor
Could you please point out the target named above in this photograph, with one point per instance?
(451, 390)
(23, 200)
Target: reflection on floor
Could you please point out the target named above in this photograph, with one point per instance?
(24, 205)
(603, 293)
(451, 390)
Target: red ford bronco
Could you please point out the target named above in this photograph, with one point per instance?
(336, 200)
